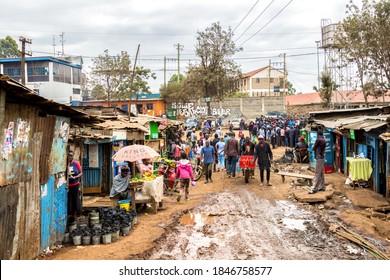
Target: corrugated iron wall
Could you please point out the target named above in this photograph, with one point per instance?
(54, 211)
(19, 181)
(27, 143)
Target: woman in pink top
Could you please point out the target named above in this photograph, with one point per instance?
(184, 173)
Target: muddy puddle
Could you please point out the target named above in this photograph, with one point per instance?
(242, 226)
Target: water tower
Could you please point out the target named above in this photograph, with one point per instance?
(341, 71)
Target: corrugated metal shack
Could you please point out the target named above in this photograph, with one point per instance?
(33, 144)
(359, 131)
(97, 144)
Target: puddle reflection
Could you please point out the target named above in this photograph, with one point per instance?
(195, 219)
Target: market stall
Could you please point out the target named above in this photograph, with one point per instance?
(150, 191)
(145, 187)
(360, 170)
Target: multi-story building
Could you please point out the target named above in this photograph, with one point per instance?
(266, 81)
(149, 104)
(50, 77)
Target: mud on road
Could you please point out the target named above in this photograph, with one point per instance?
(242, 226)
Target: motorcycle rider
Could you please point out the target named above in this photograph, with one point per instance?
(248, 149)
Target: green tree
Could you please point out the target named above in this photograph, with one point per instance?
(113, 76)
(8, 48)
(364, 42)
(327, 87)
(174, 91)
(215, 76)
(290, 88)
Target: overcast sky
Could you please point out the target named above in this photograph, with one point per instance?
(91, 26)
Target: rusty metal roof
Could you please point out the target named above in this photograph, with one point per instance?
(20, 94)
(366, 123)
(120, 124)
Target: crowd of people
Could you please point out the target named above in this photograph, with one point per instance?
(221, 151)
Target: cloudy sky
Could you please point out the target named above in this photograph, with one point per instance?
(264, 28)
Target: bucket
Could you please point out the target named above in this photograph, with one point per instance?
(97, 226)
(125, 230)
(93, 214)
(66, 238)
(114, 236)
(106, 238)
(76, 240)
(124, 204)
(93, 220)
(86, 240)
(81, 226)
(95, 239)
(72, 227)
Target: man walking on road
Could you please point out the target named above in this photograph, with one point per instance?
(208, 157)
(319, 154)
(263, 154)
(231, 154)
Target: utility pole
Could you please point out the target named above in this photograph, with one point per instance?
(62, 43)
(179, 48)
(131, 82)
(284, 73)
(269, 78)
(23, 61)
(165, 71)
(318, 66)
(54, 45)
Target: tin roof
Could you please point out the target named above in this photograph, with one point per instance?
(365, 123)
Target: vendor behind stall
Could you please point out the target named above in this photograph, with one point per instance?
(144, 166)
(120, 184)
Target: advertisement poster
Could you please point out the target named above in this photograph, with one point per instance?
(329, 154)
(23, 131)
(7, 145)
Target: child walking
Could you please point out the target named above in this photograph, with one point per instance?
(185, 174)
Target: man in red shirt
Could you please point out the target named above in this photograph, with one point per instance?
(74, 178)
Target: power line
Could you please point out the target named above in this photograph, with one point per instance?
(246, 15)
(255, 20)
(267, 22)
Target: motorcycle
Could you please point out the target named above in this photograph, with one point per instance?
(248, 166)
(197, 168)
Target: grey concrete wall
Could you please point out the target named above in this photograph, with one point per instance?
(250, 107)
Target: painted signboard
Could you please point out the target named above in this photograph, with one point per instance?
(329, 154)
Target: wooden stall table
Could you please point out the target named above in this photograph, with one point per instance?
(94, 202)
(147, 192)
(359, 170)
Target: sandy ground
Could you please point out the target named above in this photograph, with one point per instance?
(229, 219)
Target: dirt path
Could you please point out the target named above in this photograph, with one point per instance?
(242, 226)
(229, 219)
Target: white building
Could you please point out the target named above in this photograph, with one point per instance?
(50, 77)
(265, 81)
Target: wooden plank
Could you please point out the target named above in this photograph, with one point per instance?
(89, 190)
(97, 201)
(290, 174)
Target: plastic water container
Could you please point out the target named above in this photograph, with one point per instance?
(124, 204)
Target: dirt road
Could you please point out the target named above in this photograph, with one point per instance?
(242, 226)
(229, 219)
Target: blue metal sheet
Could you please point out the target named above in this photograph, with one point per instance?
(47, 198)
(53, 210)
(329, 154)
(92, 177)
